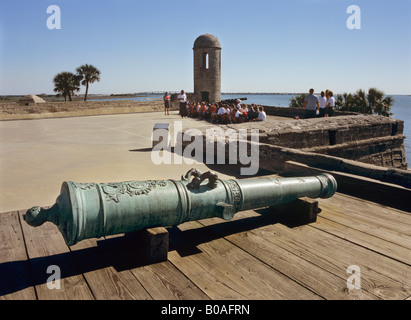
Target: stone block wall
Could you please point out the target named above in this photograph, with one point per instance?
(12, 110)
(294, 112)
(368, 139)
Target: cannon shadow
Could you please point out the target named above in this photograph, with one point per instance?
(122, 253)
(186, 242)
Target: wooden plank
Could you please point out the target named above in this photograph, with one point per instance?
(46, 247)
(375, 227)
(376, 244)
(383, 277)
(372, 218)
(159, 280)
(321, 281)
(325, 283)
(369, 209)
(164, 282)
(205, 276)
(224, 271)
(15, 277)
(96, 264)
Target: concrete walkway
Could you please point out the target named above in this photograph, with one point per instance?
(36, 156)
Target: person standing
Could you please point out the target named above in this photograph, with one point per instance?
(166, 99)
(311, 104)
(182, 97)
(322, 104)
(330, 105)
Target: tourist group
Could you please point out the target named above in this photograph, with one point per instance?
(322, 106)
(224, 112)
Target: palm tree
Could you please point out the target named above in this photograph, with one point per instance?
(88, 74)
(373, 102)
(66, 83)
(360, 100)
(378, 103)
(298, 101)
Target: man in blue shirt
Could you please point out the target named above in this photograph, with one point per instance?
(311, 104)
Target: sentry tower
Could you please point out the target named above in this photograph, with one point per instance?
(207, 68)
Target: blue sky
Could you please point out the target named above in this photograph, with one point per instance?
(267, 45)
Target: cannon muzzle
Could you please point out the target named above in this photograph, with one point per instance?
(93, 210)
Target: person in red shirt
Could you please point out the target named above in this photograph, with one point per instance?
(166, 99)
(211, 109)
(201, 110)
(245, 113)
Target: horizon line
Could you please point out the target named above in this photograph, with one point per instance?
(177, 91)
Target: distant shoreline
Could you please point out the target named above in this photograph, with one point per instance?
(53, 98)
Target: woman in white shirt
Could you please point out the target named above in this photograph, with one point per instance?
(330, 105)
(239, 116)
(323, 103)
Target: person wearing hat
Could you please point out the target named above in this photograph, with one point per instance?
(238, 106)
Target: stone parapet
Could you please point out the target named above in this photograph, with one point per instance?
(352, 143)
(14, 111)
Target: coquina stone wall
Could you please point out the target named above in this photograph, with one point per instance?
(351, 143)
(370, 139)
(13, 110)
(297, 112)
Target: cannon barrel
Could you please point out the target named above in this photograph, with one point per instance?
(234, 100)
(93, 210)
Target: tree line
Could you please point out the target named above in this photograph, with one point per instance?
(372, 102)
(67, 83)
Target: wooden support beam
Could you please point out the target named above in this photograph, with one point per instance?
(300, 212)
(152, 243)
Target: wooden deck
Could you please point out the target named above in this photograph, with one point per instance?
(258, 255)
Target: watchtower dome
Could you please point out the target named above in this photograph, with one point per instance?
(207, 68)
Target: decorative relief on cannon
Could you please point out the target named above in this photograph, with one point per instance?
(113, 191)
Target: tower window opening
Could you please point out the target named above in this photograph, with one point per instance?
(205, 60)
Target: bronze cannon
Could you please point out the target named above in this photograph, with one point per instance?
(230, 101)
(93, 210)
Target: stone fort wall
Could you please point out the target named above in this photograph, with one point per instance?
(358, 144)
(369, 139)
(12, 110)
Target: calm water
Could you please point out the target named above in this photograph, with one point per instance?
(401, 108)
